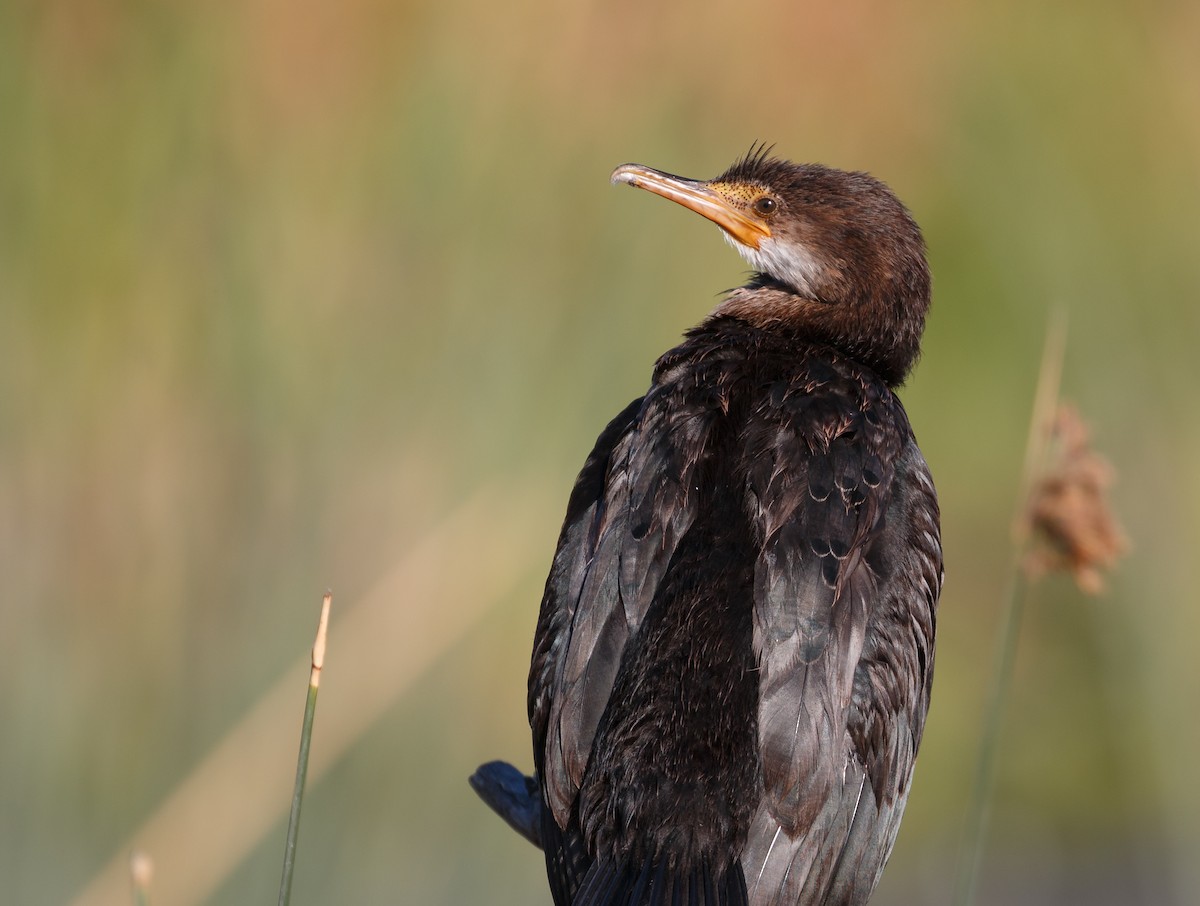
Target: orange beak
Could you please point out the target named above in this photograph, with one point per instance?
(701, 197)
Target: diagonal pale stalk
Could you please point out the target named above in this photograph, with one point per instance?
(979, 808)
(310, 708)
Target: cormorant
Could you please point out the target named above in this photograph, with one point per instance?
(733, 658)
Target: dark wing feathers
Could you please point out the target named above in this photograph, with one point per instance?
(576, 545)
(801, 870)
(817, 509)
(839, 854)
(662, 457)
(610, 573)
(779, 866)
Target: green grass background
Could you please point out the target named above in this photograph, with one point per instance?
(281, 284)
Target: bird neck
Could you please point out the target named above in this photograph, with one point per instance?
(776, 309)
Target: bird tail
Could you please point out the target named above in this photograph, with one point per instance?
(656, 883)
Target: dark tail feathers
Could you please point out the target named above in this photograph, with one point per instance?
(609, 883)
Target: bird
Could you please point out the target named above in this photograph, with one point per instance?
(734, 651)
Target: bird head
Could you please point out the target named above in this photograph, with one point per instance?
(837, 257)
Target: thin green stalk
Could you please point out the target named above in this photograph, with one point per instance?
(1045, 404)
(979, 808)
(310, 708)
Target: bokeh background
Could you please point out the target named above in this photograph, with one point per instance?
(297, 295)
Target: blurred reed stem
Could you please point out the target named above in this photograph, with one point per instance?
(1017, 591)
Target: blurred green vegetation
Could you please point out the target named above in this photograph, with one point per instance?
(281, 284)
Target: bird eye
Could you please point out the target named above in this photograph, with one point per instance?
(765, 206)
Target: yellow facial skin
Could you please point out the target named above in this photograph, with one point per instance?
(731, 206)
